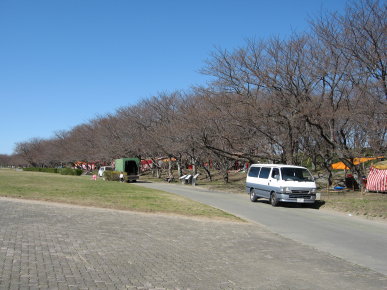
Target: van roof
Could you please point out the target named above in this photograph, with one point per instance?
(275, 165)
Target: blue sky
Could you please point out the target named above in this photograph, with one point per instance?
(63, 62)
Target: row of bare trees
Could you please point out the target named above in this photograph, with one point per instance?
(317, 97)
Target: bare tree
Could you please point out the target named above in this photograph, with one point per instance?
(31, 151)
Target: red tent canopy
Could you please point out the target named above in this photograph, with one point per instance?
(377, 180)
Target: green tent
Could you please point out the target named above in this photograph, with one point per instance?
(129, 165)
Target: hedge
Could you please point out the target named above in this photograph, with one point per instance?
(114, 175)
(63, 171)
(70, 171)
(42, 169)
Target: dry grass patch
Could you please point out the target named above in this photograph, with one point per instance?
(368, 204)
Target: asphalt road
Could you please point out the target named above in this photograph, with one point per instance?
(359, 241)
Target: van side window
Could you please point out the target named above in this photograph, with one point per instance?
(265, 171)
(275, 172)
(254, 171)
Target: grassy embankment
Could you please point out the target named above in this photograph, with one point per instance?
(82, 190)
(366, 204)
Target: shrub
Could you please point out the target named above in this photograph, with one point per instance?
(78, 172)
(41, 169)
(50, 170)
(70, 171)
(114, 175)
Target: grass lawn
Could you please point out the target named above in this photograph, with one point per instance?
(82, 190)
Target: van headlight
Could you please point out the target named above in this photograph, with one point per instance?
(313, 190)
(285, 190)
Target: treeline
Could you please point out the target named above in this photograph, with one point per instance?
(314, 98)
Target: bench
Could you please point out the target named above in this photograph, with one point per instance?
(188, 179)
(182, 178)
(194, 179)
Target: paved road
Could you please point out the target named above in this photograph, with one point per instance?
(55, 246)
(356, 240)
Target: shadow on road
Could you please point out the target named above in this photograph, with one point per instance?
(142, 181)
(316, 205)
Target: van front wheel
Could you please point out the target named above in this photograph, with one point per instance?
(253, 196)
(273, 199)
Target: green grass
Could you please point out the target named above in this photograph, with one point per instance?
(84, 191)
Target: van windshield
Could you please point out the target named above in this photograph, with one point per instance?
(296, 174)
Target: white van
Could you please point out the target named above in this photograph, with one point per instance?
(102, 170)
(280, 183)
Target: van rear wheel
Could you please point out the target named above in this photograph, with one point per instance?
(273, 199)
(253, 196)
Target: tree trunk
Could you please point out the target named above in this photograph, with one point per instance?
(179, 171)
(330, 175)
(194, 167)
(208, 173)
(225, 176)
(169, 167)
(359, 172)
(330, 178)
(158, 172)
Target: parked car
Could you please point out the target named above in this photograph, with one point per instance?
(102, 170)
(280, 183)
